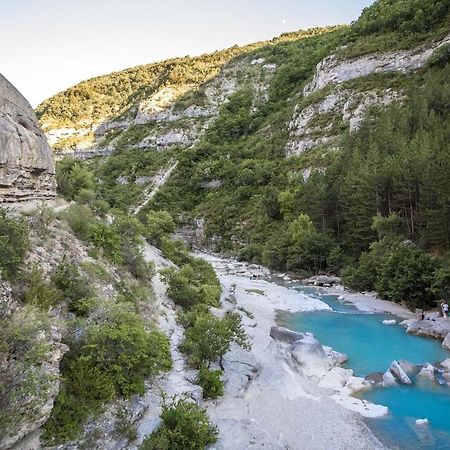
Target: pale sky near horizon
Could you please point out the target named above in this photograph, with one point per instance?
(49, 45)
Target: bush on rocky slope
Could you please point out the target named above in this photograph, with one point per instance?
(185, 426)
(113, 358)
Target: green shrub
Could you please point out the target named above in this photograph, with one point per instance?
(363, 276)
(126, 352)
(13, 244)
(74, 287)
(104, 237)
(39, 292)
(193, 284)
(113, 358)
(185, 426)
(80, 218)
(406, 274)
(441, 283)
(72, 177)
(220, 332)
(158, 224)
(211, 382)
(174, 250)
(440, 56)
(43, 217)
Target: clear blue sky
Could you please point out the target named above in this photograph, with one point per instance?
(49, 45)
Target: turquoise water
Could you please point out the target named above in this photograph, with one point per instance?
(371, 347)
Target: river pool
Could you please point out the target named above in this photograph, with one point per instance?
(371, 347)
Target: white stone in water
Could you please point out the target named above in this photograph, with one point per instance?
(422, 422)
(286, 278)
(341, 297)
(427, 371)
(389, 322)
(446, 365)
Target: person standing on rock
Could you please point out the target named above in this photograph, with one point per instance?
(445, 310)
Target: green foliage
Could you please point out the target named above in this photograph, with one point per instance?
(193, 284)
(309, 250)
(24, 386)
(74, 287)
(158, 224)
(114, 357)
(73, 178)
(398, 270)
(221, 333)
(211, 382)
(185, 426)
(392, 24)
(100, 98)
(13, 244)
(406, 274)
(37, 291)
(175, 250)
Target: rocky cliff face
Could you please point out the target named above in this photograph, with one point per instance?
(27, 169)
(333, 70)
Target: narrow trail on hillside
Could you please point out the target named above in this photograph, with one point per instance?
(151, 190)
(179, 380)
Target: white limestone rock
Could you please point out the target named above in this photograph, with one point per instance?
(333, 70)
(399, 373)
(389, 322)
(446, 342)
(27, 167)
(427, 372)
(336, 378)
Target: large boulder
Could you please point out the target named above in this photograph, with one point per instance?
(282, 334)
(399, 373)
(446, 342)
(310, 357)
(27, 168)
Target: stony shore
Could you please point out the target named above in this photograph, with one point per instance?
(276, 396)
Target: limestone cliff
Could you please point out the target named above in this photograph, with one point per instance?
(27, 169)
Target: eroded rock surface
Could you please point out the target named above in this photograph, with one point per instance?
(333, 70)
(27, 168)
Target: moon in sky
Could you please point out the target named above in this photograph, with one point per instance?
(283, 21)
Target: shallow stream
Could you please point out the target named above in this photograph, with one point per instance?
(371, 347)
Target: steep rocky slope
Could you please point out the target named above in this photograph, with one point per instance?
(27, 169)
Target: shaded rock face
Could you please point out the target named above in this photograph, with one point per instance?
(27, 168)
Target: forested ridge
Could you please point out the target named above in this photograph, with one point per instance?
(374, 207)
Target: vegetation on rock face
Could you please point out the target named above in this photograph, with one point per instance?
(13, 244)
(393, 24)
(117, 94)
(113, 357)
(185, 426)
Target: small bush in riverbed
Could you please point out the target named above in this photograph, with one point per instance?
(210, 381)
(185, 426)
(193, 284)
(220, 332)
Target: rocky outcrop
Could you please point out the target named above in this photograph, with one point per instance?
(434, 326)
(399, 373)
(333, 70)
(27, 168)
(321, 122)
(446, 342)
